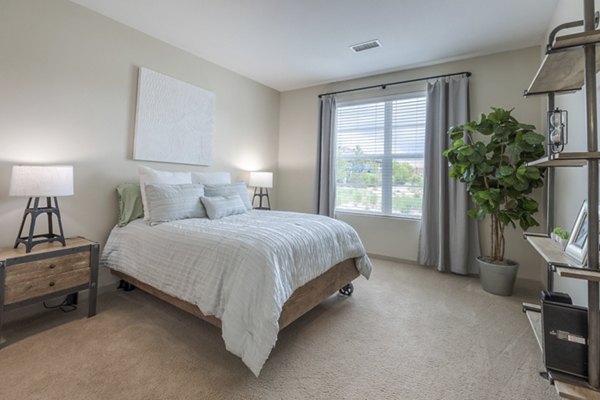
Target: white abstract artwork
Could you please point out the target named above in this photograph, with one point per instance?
(174, 120)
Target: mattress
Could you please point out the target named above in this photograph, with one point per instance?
(241, 268)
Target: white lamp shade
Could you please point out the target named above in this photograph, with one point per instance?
(41, 180)
(261, 179)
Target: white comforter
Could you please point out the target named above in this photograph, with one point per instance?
(241, 269)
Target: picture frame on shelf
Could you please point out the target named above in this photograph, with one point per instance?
(577, 244)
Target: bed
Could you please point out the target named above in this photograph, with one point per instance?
(250, 274)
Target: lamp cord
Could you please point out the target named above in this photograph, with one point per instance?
(64, 306)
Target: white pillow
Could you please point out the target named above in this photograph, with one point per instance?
(211, 178)
(172, 202)
(223, 206)
(238, 188)
(149, 175)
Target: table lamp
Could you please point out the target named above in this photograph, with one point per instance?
(261, 181)
(36, 181)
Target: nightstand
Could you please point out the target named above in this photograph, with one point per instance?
(50, 270)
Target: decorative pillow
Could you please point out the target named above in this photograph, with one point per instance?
(130, 203)
(149, 175)
(171, 202)
(211, 178)
(223, 206)
(238, 188)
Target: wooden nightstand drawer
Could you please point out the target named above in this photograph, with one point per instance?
(46, 268)
(25, 290)
(50, 270)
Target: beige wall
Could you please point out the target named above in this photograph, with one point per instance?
(67, 96)
(68, 80)
(498, 80)
(571, 183)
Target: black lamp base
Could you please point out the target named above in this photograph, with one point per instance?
(258, 192)
(35, 211)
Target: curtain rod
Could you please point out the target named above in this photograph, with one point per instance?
(384, 85)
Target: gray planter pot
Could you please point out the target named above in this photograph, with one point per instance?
(497, 278)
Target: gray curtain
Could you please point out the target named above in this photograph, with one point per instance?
(326, 153)
(449, 239)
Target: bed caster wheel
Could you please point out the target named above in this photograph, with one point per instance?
(126, 286)
(347, 290)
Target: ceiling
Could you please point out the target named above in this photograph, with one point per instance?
(290, 44)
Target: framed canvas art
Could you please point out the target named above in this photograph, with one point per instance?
(174, 120)
(577, 244)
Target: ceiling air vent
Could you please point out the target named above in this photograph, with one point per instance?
(371, 44)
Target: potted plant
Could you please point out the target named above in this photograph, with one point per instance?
(560, 236)
(490, 156)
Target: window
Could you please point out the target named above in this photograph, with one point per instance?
(379, 155)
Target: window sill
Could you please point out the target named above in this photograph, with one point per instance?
(377, 215)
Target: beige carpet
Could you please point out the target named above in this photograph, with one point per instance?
(409, 333)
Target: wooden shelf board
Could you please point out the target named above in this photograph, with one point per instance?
(572, 387)
(544, 162)
(568, 159)
(577, 39)
(569, 391)
(561, 71)
(583, 273)
(535, 320)
(9, 252)
(551, 251)
(533, 307)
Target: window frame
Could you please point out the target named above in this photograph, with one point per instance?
(386, 157)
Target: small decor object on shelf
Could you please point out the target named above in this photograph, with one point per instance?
(557, 130)
(261, 181)
(577, 244)
(36, 181)
(560, 236)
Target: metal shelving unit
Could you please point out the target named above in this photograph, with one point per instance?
(571, 63)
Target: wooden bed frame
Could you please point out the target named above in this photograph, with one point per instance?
(302, 300)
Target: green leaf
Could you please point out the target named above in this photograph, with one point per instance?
(456, 133)
(521, 186)
(527, 222)
(466, 150)
(509, 180)
(530, 204)
(527, 127)
(514, 150)
(511, 204)
(533, 138)
(484, 195)
(505, 170)
(504, 218)
(485, 168)
(532, 173)
(476, 158)
(476, 213)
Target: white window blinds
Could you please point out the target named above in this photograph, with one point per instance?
(379, 155)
